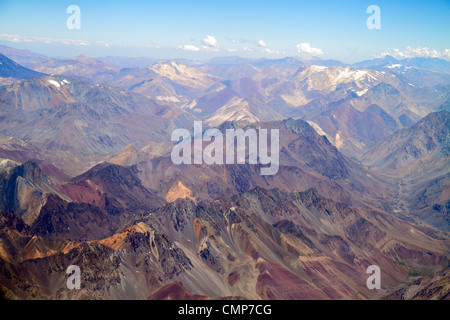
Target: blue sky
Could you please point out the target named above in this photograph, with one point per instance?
(247, 28)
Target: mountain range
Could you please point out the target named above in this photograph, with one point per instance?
(87, 179)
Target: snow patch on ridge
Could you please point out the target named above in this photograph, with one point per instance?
(339, 142)
(392, 66)
(316, 127)
(362, 92)
(168, 98)
(348, 74)
(55, 83)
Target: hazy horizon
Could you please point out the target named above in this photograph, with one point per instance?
(200, 30)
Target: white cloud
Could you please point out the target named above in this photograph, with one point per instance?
(409, 52)
(306, 48)
(446, 53)
(68, 42)
(189, 47)
(232, 50)
(272, 51)
(17, 38)
(192, 48)
(381, 55)
(419, 52)
(210, 49)
(210, 41)
(247, 49)
(261, 43)
(11, 37)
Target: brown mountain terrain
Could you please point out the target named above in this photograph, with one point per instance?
(91, 206)
(433, 287)
(54, 111)
(83, 67)
(418, 157)
(25, 58)
(263, 244)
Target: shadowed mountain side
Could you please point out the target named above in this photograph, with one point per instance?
(24, 190)
(11, 69)
(59, 219)
(103, 198)
(113, 188)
